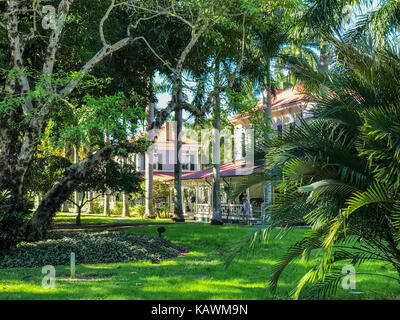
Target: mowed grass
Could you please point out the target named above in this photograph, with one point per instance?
(69, 218)
(200, 274)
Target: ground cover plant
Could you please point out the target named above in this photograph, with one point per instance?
(90, 247)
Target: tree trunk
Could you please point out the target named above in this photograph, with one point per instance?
(125, 205)
(21, 129)
(106, 205)
(267, 93)
(267, 106)
(78, 217)
(216, 197)
(125, 199)
(178, 210)
(324, 56)
(76, 194)
(149, 207)
(60, 192)
(324, 63)
(37, 201)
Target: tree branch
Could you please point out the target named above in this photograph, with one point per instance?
(101, 26)
(73, 175)
(15, 42)
(98, 57)
(63, 11)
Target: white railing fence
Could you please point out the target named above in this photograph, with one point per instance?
(232, 211)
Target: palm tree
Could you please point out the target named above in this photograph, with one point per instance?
(216, 196)
(149, 203)
(339, 173)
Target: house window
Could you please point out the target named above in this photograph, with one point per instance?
(188, 162)
(155, 157)
(159, 165)
(192, 168)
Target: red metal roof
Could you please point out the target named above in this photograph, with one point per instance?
(289, 96)
(228, 169)
(282, 98)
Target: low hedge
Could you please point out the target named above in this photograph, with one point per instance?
(91, 248)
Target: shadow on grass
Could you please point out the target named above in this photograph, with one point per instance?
(200, 274)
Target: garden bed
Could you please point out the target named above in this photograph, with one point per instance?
(91, 248)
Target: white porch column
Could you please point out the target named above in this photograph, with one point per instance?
(209, 200)
(248, 200)
(112, 202)
(196, 194)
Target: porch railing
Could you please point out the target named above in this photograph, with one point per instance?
(232, 211)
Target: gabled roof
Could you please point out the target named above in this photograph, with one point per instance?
(282, 98)
(167, 135)
(291, 95)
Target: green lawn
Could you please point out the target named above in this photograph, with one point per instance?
(69, 218)
(199, 274)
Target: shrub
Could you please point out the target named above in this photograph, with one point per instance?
(12, 223)
(90, 247)
(98, 205)
(163, 212)
(139, 210)
(118, 206)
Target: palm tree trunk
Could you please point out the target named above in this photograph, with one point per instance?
(267, 92)
(178, 208)
(106, 203)
(65, 204)
(76, 194)
(216, 197)
(267, 106)
(324, 56)
(106, 199)
(125, 205)
(125, 202)
(149, 207)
